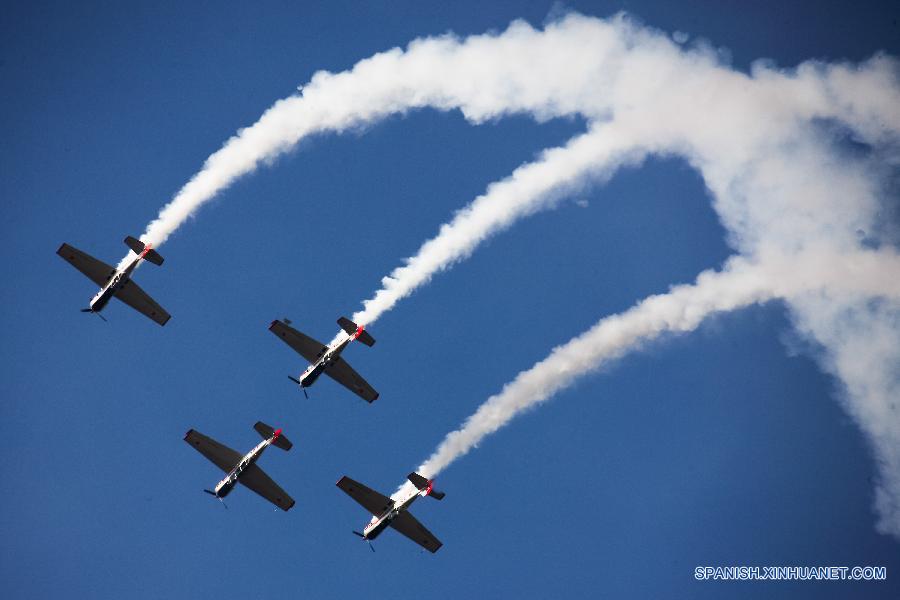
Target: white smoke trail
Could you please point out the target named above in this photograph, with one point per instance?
(682, 309)
(862, 349)
(530, 188)
(577, 65)
(771, 147)
(757, 135)
(444, 73)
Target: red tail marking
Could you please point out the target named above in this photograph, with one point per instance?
(359, 331)
(276, 434)
(147, 249)
(430, 487)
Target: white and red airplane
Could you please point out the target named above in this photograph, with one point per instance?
(117, 282)
(243, 469)
(327, 359)
(394, 513)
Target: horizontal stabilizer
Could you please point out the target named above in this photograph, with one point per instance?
(137, 246)
(266, 432)
(425, 485)
(417, 480)
(154, 257)
(353, 329)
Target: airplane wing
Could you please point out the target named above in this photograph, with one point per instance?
(221, 455)
(341, 372)
(371, 500)
(131, 294)
(302, 344)
(257, 480)
(96, 270)
(407, 524)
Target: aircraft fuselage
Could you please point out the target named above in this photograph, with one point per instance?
(224, 487)
(102, 298)
(120, 278)
(328, 358)
(381, 522)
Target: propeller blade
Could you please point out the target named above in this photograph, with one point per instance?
(371, 547)
(222, 500)
(91, 310)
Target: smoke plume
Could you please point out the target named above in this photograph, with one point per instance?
(681, 310)
(800, 164)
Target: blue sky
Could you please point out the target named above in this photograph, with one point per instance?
(724, 446)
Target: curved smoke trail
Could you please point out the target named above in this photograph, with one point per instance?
(796, 161)
(681, 310)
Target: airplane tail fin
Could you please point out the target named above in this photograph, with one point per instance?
(266, 432)
(356, 330)
(425, 485)
(137, 246)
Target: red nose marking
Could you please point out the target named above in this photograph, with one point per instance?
(276, 434)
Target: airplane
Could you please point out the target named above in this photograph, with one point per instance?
(243, 469)
(395, 513)
(327, 359)
(117, 283)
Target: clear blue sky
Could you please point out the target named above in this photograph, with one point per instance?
(721, 447)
